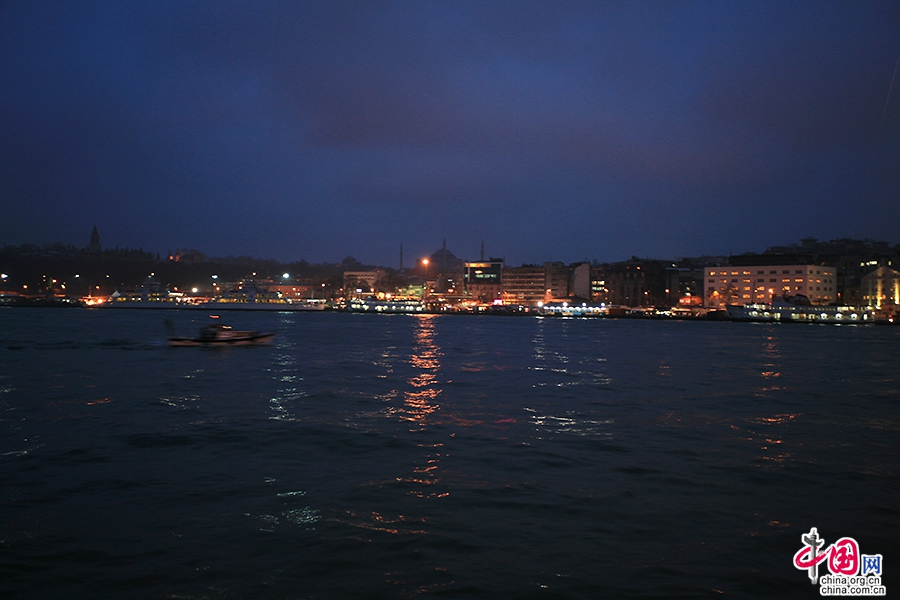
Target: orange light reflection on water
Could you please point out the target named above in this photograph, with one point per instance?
(420, 402)
(420, 406)
(768, 442)
(770, 365)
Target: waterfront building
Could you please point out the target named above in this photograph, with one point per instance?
(556, 281)
(525, 285)
(484, 280)
(852, 259)
(881, 288)
(580, 282)
(598, 283)
(751, 284)
(363, 282)
(531, 285)
(297, 290)
(641, 282)
(691, 278)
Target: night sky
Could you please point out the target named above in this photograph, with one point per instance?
(549, 130)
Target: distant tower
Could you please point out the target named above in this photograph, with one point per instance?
(401, 256)
(95, 242)
(482, 250)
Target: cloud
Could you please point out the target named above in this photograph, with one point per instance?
(627, 118)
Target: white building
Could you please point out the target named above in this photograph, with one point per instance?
(881, 288)
(363, 283)
(760, 284)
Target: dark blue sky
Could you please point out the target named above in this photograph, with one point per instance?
(550, 130)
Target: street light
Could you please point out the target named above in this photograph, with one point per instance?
(425, 262)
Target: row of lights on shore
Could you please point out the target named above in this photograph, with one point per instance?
(4, 277)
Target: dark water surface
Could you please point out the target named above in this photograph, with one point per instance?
(376, 456)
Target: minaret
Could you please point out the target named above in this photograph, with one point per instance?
(482, 250)
(95, 241)
(401, 256)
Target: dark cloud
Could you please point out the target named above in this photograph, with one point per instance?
(552, 131)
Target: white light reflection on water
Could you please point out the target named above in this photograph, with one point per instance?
(289, 513)
(182, 402)
(285, 373)
(561, 368)
(560, 364)
(572, 377)
(571, 424)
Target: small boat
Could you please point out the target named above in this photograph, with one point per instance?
(223, 335)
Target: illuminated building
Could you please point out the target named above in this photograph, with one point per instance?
(296, 290)
(881, 288)
(366, 281)
(524, 285)
(484, 280)
(598, 284)
(531, 285)
(762, 283)
(851, 259)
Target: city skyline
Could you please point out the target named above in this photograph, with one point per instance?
(564, 132)
(404, 261)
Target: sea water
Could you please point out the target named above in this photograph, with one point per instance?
(395, 456)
